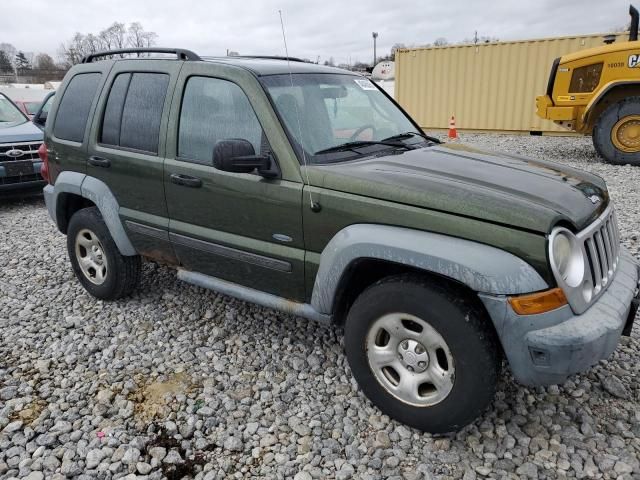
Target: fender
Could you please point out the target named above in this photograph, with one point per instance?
(481, 267)
(605, 89)
(98, 192)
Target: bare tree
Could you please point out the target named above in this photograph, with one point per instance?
(440, 42)
(74, 50)
(44, 62)
(10, 51)
(117, 33)
(92, 43)
(135, 35)
(330, 63)
(394, 49)
(116, 36)
(138, 38)
(6, 66)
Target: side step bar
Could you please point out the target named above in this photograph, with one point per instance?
(254, 296)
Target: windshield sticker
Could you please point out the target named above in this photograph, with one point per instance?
(364, 84)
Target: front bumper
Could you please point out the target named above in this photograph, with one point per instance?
(547, 110)
(547, 348)
(22, 183)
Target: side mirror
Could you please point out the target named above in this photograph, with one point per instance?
(237, 155)
(40, 119)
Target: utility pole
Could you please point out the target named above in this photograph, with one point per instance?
(375, 36)
(475, 38)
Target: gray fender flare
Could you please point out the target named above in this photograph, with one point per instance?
(99, 193)
(481, 267)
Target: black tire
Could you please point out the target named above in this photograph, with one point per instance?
(603, 128)
(122, 273)
(459, 320)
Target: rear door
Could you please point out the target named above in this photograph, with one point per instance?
(127, 148)
(72, 111)
(239, 227)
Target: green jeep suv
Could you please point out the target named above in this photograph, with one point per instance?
(309, 190)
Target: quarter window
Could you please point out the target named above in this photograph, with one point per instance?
(73, 112)
(133, 112)
(214, 110)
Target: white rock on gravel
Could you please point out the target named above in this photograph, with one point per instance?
(178, 377)
(94, 457)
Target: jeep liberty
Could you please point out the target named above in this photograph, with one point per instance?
(309, 190)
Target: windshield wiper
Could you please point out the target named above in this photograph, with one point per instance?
(401, 136)
(361, 143)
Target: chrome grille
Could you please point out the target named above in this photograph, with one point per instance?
(601, 242)
(29, 151)
(599, 245)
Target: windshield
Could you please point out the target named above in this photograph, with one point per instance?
(9, 113)
(333, 109)
(32, 107)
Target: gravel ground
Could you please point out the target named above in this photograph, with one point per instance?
(177, 381)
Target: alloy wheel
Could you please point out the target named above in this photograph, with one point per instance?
(410, 359)
(91, 257)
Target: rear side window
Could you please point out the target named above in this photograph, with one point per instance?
(134, 111)
(113, 111)
(73, 112)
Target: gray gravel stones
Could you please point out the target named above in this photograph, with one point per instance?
(614, 386)
(7, 393)
(180, 381)
(233, 444)
(94, 457)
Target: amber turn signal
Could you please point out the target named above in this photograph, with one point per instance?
(539, 302)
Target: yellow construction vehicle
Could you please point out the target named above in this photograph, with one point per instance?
(597, 91)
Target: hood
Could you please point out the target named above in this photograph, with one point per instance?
(506, 189)
(25, 132)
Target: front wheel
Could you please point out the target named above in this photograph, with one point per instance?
(616, 135)
(422, 353)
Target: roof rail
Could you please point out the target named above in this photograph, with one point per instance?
(180, 53)
(270, 57)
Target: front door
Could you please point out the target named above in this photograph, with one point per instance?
(240, 227)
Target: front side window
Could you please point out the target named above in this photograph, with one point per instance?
(73, 112)
(133, 112)
(322, 111)
(10, 115)
(213, 110)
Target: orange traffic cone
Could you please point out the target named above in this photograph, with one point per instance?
(453, 133)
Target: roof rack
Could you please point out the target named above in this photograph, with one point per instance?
(180, 53)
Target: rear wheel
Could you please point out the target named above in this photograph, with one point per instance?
(424, 354)
(616, 135)
(96, 260)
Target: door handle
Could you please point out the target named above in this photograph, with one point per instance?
(186, 180)
(99, 161)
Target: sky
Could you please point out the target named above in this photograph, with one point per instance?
(328, 28)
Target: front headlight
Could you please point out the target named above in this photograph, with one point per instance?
(585, 79)
(565, 254)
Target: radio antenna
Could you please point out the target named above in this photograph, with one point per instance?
(314, 206)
